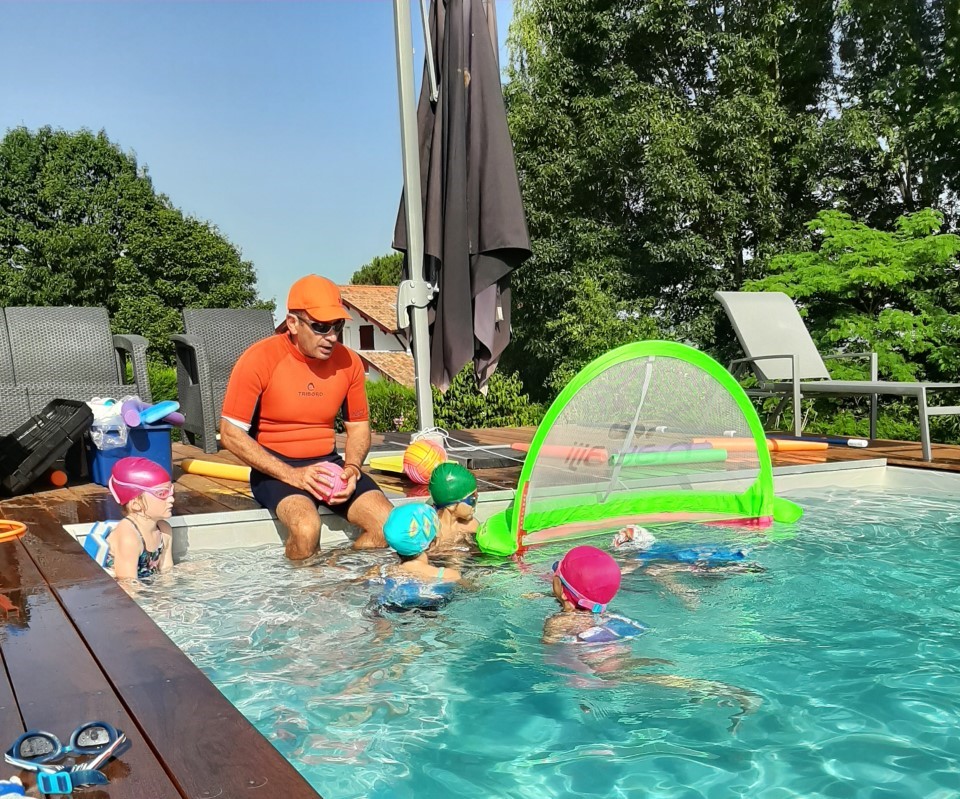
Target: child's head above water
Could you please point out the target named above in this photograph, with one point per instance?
(410, 529)
(451, 484)
(587, 578)
(130, 478)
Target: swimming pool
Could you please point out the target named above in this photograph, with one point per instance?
(834, 672)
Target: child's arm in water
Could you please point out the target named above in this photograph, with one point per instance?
(166, 535)
(561, 627)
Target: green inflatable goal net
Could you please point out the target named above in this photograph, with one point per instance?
(652, 432)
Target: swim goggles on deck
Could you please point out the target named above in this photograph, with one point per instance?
(581, 600)
(37, 750)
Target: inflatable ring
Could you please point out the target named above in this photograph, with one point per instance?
(10, 530)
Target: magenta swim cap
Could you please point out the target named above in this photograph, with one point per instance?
(590, 577)
(130, 477)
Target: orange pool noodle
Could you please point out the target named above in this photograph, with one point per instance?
(228, 471)
(421, 458)
(773, 444)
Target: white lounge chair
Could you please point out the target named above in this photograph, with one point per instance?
(786, 362)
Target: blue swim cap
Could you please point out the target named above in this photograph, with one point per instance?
(409, 529)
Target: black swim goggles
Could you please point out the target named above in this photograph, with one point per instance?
(40, 751)
(469, 500)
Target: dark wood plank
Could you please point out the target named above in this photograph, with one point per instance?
(58, 685)
(219, 491)
(10, 721)
(57, 555)
(176, 705)
(16, 568)
(187, 501)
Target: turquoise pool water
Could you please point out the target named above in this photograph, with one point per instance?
(833, 673)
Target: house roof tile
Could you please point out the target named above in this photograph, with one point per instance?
(376, 303)
(398, 366)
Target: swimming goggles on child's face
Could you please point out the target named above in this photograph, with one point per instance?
(581, 600)
(471, 501)
(163, 492)
(37, 750)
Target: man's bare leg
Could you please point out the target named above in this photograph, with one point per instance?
(299, 515)
(369, 512)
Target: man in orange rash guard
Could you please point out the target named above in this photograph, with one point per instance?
(278, 416)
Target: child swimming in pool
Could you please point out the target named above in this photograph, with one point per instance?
(584, 582)
(410, 531)
(453, 492)
(141, 544)
(414, 582)
(663, 562)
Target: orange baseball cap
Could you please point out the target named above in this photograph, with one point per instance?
(319, 297)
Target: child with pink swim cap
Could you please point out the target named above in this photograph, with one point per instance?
(584, 582)
(141, 544)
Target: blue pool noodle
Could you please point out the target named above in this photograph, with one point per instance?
(156, 412)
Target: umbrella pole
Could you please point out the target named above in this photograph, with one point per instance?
(416, 292)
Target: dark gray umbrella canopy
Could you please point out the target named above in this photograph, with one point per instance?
(475, 231)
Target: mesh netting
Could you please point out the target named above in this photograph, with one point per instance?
(649, 439)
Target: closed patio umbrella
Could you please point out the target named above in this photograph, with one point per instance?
(474, 228)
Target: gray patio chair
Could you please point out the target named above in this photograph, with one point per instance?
(70, 353)
(206, 353)
(14, 405)
(786, 362)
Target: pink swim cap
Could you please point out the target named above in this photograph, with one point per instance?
(130, 477)
(590, 577)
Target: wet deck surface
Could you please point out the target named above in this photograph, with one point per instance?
(75, 647)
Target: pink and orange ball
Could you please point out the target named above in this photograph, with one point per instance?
(421, 458)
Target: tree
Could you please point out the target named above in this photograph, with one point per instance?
(664, 150)
(81, 224)
(383, 270)
(893, 292)
(900, 73)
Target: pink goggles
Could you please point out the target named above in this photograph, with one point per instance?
(579, 599)
(160, 492)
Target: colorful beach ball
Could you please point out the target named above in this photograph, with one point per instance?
(421, 458)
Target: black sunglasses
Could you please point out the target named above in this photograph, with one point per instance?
(323, 328)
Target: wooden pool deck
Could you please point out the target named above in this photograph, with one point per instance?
(74, 647)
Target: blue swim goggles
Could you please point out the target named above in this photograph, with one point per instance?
(38, 751)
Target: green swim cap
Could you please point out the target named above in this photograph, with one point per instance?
(451, 483)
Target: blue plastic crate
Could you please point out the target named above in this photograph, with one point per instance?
(151, 442)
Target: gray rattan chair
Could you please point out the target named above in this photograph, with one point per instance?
(14, 405)
(70, 353)
(215, 338)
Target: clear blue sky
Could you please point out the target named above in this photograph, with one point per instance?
(276, 121)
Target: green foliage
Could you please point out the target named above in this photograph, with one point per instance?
(163, 381)
(664, 149)
(81, 224)
(670, 149)
(900, 70)
(896, 293)
(505, 405)
(383, 270)
(392, 407)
